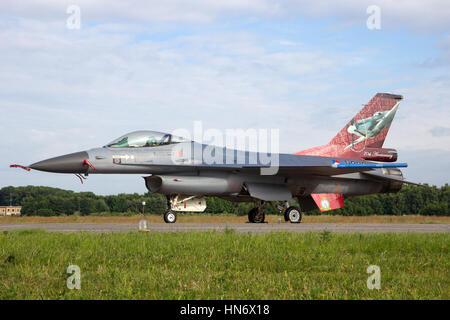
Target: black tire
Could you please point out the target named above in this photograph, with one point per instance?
(170, 217)
(260, 219)
(252, 216)
(293, 214)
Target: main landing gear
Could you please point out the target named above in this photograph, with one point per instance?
(256, 215)
(291, 213)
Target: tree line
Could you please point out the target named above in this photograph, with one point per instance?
(47, 201)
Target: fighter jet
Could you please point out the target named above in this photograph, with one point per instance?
(317, 178)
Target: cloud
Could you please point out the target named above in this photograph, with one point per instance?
(94, 73)
(443, 59)
(425, 108)
(416, 15)
(440, 132)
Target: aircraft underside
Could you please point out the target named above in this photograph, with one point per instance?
(185, 193)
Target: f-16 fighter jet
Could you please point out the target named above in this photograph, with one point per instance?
(318, 177)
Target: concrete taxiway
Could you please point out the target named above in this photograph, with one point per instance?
(238, 227)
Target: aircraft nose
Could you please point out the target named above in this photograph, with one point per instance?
(69, 163)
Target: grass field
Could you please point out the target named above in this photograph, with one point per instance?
(217, 218)
(212, 265)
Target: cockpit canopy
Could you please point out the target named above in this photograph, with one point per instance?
(142, 139)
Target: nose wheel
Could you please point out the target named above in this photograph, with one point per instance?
(293, 215)
(170, 217)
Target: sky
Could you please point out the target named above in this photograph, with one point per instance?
(305, 68)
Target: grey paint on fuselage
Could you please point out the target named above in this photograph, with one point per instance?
(160, 159)
(191, 174)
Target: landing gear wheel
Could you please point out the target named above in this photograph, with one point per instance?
(254, 217)
(170, 217)
(251, 215)
(293, 214)
(260, 218)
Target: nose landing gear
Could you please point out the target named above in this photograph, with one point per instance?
(170, 217)
(291, 213)
(182, 203)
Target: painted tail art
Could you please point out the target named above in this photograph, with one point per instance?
(364, 135)
(361, 138)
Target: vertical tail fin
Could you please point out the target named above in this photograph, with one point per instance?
(370, 125)
(367, 129)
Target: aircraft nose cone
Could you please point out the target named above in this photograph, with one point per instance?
(69, 163)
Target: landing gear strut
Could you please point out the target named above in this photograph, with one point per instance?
(256, 215)
(181, 202)
(291, 213)
(170, 216)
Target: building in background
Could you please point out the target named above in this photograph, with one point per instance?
(10, 210)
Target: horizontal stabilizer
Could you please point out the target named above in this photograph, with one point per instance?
(337, 164)
(390, 178)
(328, 201)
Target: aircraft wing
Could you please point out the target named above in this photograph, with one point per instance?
(289, 165)
(282, 170)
